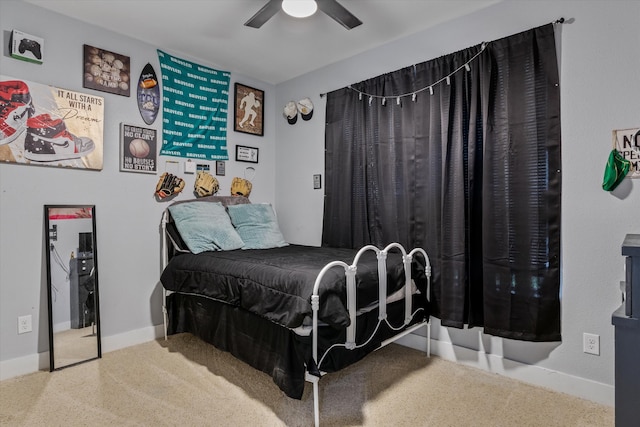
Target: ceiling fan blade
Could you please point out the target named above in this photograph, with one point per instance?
(268, 10)
(336, 11)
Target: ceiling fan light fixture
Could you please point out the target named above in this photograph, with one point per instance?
(299, 8)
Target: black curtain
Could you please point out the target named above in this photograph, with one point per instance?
(467, 167)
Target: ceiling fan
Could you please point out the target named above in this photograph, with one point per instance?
(330, 7)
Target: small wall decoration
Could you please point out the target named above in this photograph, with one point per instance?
(220, 168)
(627, 142)
(138, 149)
(148, 94)
(106, 71)
(246, 154)
(50, 126)
(27, 47)
(248, 114)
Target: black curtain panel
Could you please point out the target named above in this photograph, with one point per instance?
(459, 155)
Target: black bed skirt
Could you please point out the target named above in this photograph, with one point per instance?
(271, 348)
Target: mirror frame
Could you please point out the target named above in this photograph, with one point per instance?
(48, 242)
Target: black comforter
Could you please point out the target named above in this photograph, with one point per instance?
(277, 283)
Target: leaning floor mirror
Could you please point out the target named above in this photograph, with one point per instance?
(72, 285)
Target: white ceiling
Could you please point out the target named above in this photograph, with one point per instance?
(283, 48)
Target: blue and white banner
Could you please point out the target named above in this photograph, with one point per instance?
(195, 103)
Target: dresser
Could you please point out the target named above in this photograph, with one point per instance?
(626, 320)
(82, 287)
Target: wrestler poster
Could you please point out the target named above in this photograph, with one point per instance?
(44, 125)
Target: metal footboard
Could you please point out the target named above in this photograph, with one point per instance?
(350, 273)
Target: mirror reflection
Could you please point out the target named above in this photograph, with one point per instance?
(72, 279)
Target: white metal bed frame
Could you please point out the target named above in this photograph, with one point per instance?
(350, 273)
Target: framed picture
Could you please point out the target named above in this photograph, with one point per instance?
(106, 71)
(246, 154)
(138, 149)
(248, 114)
(63, 115)
(220, 168)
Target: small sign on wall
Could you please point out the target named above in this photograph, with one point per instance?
(627, 142)
(138, 149)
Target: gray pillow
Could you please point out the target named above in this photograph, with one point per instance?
(257, 226)
(205, 227)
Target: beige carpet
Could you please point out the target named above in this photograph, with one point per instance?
(186, 382)
(74, 345)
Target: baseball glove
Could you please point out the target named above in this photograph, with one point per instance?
(241, 187)
(205, 185)
(169, 184)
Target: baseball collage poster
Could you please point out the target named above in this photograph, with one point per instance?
(50, 126)
(194, 109)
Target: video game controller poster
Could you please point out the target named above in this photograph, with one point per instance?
(27, 47)
(44, 125)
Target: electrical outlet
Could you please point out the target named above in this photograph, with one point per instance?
(24, 324)
(591, 344)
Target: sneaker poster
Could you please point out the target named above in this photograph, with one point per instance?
(49, 126)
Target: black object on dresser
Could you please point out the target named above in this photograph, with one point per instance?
(626, 321)
(82, 289)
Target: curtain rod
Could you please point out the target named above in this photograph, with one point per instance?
(560, 20)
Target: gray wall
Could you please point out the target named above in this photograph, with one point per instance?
(128, 216)
(600, 86)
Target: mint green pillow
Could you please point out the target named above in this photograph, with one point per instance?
(205, 226)
(257, 226)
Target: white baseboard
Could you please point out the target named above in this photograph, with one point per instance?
(40, 361)
(127, 339)
(24, 365)
(536, 375)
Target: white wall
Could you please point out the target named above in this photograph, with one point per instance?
(128, 216)
(600, 87)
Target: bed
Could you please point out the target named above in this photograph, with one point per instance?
(294, 312)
